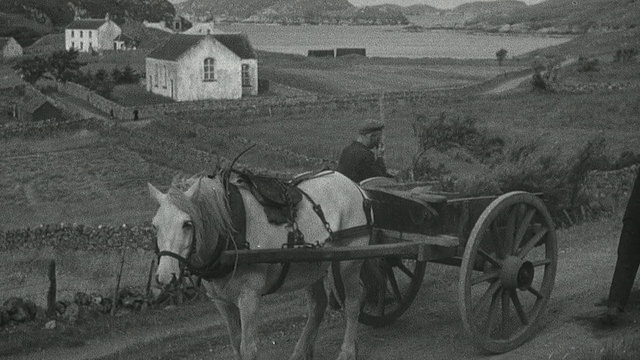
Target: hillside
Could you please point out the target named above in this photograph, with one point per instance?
(59, 13)
(564, 16)
(289, 12)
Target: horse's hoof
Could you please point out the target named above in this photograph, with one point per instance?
(611, 317)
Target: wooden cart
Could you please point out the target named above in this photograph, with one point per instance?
(505, 247)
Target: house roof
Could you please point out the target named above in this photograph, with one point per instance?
(127, 39)
(34, 104)
(4, 41)
(178, 44)
(91, 24)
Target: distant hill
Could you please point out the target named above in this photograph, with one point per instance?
(564, 16)
(430, 17)
(491, 7)
(419, 9)
(289, 11)
(59, 13)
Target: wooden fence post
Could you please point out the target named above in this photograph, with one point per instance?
(51, 295)
(117, 290)
(153, 262)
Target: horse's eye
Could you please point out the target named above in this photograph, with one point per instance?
(187, 224)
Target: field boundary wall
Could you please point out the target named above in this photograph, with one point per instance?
(292, 102)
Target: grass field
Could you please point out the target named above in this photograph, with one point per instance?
(84, 177)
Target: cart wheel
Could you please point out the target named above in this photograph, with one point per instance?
(391, 285)
(508, 271)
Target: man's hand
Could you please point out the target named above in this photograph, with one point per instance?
(379, 151)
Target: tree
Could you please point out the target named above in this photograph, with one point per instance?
(31, 69)
(129, 76)
(501, 55)
(62, 64)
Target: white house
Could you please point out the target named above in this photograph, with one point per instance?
(9, 48)
(201, 67)
(202, 29)
(85, 35)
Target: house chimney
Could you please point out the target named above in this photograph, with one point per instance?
(107, 17)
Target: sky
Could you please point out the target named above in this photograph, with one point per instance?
(440, 4)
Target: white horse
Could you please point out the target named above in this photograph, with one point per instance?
(188, 227)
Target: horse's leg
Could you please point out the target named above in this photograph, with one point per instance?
(231, 314)
(316, 306)
(248, 303)
(354, 295)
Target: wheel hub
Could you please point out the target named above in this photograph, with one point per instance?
(516, 273)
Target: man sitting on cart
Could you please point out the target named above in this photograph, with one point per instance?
(364, 157)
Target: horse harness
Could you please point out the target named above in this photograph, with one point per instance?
(279, 199)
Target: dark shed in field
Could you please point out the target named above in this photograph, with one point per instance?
(37, 109)
(321, 53)
(351, 51)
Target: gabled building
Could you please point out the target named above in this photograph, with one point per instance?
(9, 48)
(87, 35)
(124, 42)
(202, 67)
(36, 109)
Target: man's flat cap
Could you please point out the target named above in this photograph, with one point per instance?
(369, 126)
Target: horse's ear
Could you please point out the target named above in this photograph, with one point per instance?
(194, 188)
(155, 193)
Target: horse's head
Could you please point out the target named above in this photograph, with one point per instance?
(188, 225)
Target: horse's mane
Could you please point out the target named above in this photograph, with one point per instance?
(208, 208)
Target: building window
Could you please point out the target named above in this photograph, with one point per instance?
(73, 45)
(246, 76)
(81, 46)
(80, 33)
(209, 69)
(89, 34)
(164, 77)
(156, 74)
(72, 33)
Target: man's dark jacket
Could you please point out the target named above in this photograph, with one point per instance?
(357, 163)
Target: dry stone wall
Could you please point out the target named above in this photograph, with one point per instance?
(78, 237)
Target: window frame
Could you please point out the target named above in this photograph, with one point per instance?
(246, 75)
(209, 69)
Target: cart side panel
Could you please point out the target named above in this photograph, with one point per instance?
(458, 217)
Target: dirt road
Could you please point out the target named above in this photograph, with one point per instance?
(430, 329)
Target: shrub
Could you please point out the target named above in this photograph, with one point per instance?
(588, 64)
(529, 168)
(501, 55)
(545, 74)
(625, 55)
(447, 132)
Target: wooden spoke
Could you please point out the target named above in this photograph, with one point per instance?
(394, 285)
(406, 270)
(519, 310)
(493, 313)
(496, 239)
(488, 257)
(485, 277)
(397, 287)
(505, 312)
(532, 243)
(487, 295)
(535, 292)
(541, 262)
(509, 233)
(523, 228)
(382, 294)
